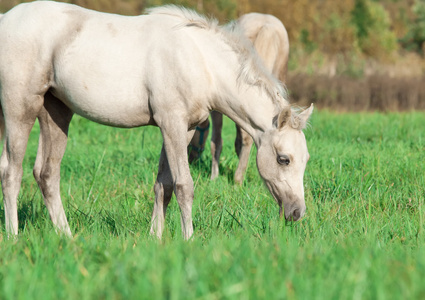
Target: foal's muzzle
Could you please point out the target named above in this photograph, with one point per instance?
(294, 213)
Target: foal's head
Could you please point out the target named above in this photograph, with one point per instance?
(282, 156)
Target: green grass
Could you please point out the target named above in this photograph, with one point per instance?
(362, 236)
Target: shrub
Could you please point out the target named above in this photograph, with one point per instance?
(375, 92)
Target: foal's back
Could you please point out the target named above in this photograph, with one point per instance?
(108, 68)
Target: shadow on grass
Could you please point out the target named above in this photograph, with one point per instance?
(35, 213)
(31, 211)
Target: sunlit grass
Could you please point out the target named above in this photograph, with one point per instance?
(362, 236)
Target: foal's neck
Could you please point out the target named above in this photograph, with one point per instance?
(252, 109)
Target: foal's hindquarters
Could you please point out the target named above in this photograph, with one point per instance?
(24, 97)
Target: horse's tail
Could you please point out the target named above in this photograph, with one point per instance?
(266, 46)
(273, 48)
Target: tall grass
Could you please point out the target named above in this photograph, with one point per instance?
(362, 236)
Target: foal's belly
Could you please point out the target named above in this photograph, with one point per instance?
(112, 108)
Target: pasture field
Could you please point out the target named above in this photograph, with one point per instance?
(362, 237)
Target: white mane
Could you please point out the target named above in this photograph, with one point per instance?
(252, 71)
(189, 17)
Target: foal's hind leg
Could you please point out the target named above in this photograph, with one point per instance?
(216, 142)
(54, 119)
(20, 112)
(243, 144)
(163, 192)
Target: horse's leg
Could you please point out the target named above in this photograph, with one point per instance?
(2, 127)
(175, 148)
(216, 142)
(20, 111)
(54, 119)
(163, 192)
(243, 144)
(197, 144)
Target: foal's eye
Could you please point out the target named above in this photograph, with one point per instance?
(283, 160)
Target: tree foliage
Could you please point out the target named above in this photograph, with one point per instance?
(415, 37)
(374, 33)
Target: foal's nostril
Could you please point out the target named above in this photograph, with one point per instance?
(296, 214)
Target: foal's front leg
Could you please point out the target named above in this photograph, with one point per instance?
(175, 147)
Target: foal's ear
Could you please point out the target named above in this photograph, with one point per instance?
(304, 116)
(284, 117)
